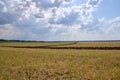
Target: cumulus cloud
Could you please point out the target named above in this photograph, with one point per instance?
(93, 3)
(51, 19)
(8, 31)
(50, 3)
(44, 9)
(114, 25)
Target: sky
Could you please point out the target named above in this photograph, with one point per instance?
(60, 20)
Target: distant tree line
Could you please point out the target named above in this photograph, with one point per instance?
(5, 40)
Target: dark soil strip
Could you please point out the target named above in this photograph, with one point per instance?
(58, 47)
(79, 48)
(63, 44)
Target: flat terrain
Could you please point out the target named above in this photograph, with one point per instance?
(59, 64)
(64, 45)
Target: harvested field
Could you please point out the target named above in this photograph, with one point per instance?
(75, 45)
(23, 63)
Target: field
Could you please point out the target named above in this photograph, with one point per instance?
(30, 61)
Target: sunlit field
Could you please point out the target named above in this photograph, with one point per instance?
(59, 64)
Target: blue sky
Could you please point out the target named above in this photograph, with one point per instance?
(109, 9)
(52, 20)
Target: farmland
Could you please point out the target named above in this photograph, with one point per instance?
(26, 63)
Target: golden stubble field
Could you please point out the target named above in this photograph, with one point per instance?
(59, 64)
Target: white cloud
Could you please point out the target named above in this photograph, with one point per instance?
(53, 19)
(3, 7)
(114, 25)
(8, 31)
